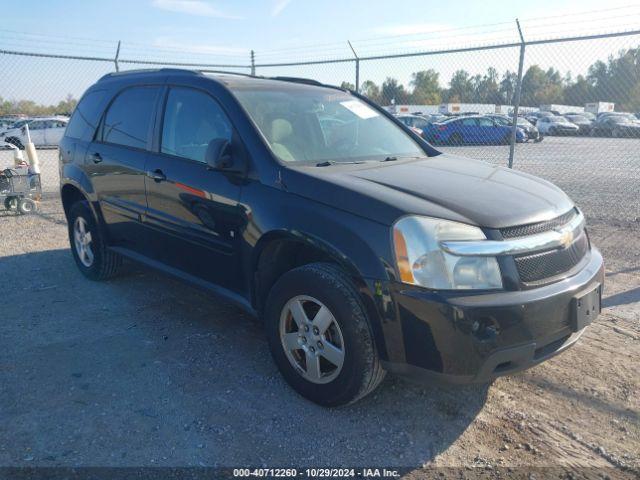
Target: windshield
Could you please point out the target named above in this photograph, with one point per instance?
(577, 118)
(314, 125)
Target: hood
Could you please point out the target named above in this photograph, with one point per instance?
(444, 186)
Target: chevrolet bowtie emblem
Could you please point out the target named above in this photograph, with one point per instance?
(566, 237)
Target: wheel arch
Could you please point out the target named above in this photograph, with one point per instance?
(280, 251)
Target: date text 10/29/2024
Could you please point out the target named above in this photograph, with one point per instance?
(316, 473)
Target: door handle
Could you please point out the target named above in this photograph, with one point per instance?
(157, 175)
(96, 157)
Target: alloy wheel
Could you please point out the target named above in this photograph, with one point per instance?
(82, 240)
(312, 339)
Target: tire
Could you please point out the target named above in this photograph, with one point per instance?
(15, 141)
(552, 132)
(11, 203)
(311, 288)
(507, 139)
(99, 263)
(27, 206)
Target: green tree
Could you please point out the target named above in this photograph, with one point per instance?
(426, 88)
(370, 90)
(393, 91)
(460, 87)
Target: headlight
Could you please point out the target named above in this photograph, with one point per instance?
(421, 261)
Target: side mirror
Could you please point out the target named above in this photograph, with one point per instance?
(218, 155)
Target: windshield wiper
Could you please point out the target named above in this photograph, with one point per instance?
(393, 158)
(328, 163)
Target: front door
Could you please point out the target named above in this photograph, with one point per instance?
(115, 163)
(195, 209)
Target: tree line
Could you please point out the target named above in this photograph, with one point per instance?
(31, 108)
(616, 80)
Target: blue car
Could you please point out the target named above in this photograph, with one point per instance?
(467, 130)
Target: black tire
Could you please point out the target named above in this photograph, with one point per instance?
(552, 132)
(507, 139)
(27, 206)
(15, 141)
(361, 371)
(105, 263)
(11, 203)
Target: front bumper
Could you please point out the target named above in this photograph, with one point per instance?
(473, 338)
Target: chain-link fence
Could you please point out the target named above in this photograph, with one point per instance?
(567, 110)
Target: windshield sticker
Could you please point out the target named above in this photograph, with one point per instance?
(360, 109)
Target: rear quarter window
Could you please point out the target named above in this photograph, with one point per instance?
(86, 116)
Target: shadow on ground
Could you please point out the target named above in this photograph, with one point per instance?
(145, 371)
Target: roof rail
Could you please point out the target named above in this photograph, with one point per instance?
(227, 72)
(307, 81)
(148, 70)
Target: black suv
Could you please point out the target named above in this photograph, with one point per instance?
(362, 248)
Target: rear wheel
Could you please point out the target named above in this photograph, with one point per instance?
(88, 246)
(320, 337)
(26, 206)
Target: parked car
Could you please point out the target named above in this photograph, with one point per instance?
(554, 125)
(363, 251)
(43, 132)
(533, 117)
(529, 129)
(414, 122)
(476, 129)
(619, 126)
(582, 122)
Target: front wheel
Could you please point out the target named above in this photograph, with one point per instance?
(93, 258)
(320, 337)
(11, 203)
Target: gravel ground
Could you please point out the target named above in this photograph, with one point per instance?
(145, 371)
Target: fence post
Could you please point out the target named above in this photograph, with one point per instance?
(357, 66)
(253, 63)
(115, 60)
(516, 102)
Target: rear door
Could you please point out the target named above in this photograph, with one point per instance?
(115, 163)
(488, 131)
(469, 130)
(195, 210)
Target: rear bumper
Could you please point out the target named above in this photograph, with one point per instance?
(460, 339)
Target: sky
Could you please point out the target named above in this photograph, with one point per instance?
(224, 31)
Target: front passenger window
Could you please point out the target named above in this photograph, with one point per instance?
(191, 120)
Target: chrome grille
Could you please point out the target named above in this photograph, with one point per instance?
(538, 267)
(539, 227)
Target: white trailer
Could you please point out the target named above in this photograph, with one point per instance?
(411, 109)
(599, 107)
(561, 109)
(455, 108)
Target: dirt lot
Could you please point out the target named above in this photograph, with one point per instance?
(145, 371)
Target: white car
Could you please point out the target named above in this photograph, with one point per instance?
(43, 131)
(555, 125)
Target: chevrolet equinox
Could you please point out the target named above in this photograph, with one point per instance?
(361, 247)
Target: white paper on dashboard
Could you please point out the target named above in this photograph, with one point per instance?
(360, 109)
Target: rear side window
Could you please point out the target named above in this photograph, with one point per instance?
(84, 120)
(191, 120)
(129, 117)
